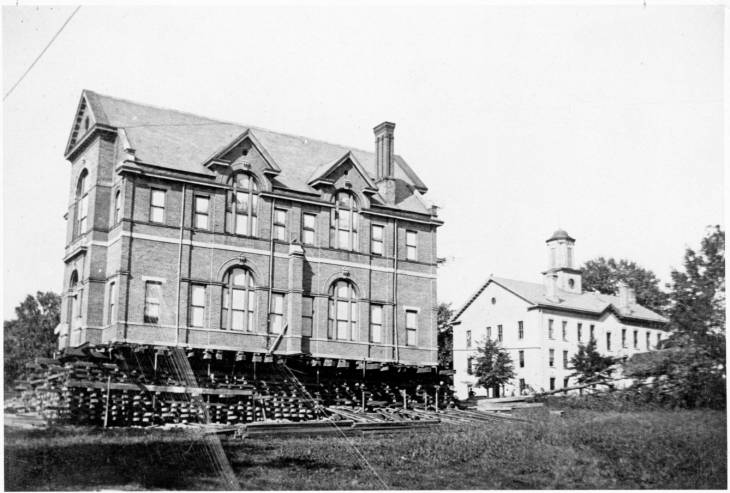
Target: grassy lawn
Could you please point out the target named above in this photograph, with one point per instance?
(580, 449)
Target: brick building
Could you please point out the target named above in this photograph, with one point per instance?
(185, 231)
(541, 325)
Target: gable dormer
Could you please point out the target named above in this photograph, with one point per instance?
(244, 153)
(344, 173)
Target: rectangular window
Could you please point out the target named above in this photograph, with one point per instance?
(241, 305)
(565, 330)
(277, 313)
(523, 386)
(623, 337)
(242, 212)
(658, 339)
(520, 330)
(468, 338)
(489, 333)
(152, 294)
(307, 315)
(376, 239)
(201, 211)
(197, 305)
(551, 357)
(280, 224)
(111, 317)
(157, 206)
(552, 383)
(551, 334)
(566, 381)
(648, 342)
(470, 365)
(411, 243)
(499, 333)
(411, 326)
(565, 359)
(308, 221)
(521, 358)
(608, 341)
(636, 339)
(376, 323)
(579, 332)
(593, 331)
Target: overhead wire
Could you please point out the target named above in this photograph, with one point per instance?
(63, 26)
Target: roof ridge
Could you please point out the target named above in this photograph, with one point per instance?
(224, 122)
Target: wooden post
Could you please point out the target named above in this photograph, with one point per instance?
(106, 407)
(405, 404)
(436, 399)
(363, 400)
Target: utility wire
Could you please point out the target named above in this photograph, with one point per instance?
(41, 53)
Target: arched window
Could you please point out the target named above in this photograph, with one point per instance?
(242, 205)
(343, 310)
(118, 207)
(239, 300)
(343, 227)
(82, 200)
(72, 299)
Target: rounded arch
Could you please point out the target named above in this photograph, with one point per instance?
(238, 305)
(344, 225)
(81, 183)
(242, 204)
(239, 261)
(73, 280)
(343, 309)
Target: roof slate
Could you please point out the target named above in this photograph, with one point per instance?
(588, 301)
(182, 141)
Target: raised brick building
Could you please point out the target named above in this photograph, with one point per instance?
(185, 231)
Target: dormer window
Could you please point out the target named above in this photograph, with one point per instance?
(242, 205)
(344, 223)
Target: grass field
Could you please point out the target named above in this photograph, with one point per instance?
(580, 449)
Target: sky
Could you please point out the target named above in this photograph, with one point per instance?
(606, 120)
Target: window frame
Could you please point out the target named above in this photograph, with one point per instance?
(307, 229)
(334, 312)
(251, 193)
(148, 318)
(566, 360)
(154, 207)
(521, 358)
(118, 206)
(340, 226)
(623, 338)
(373, 325)
(111, 303)
(551, 358)
(308, 315)
(280, 219)
(579, 331)
(277, 314)
(551, 329)
(608, 340)
(377, 242)
(412, 248)
(565, 330)
(500, 334)
(197, 213)
(228, 297)
(195, 307)
(468, 339)
(412, 332)
(82, 204)
(520, 330)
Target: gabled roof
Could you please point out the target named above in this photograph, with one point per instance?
(250, 136)
(182, 141)
(588, 301)
(320, 174)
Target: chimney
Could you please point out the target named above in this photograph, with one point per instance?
(551, 286)
(624, 295)
(384, 150)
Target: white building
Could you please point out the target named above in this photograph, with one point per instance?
(542, 324)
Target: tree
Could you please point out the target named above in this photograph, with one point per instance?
(493, 366)
(31, 334)
(591, 366)
(690, 369)
(603, 275)
(445, 336)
